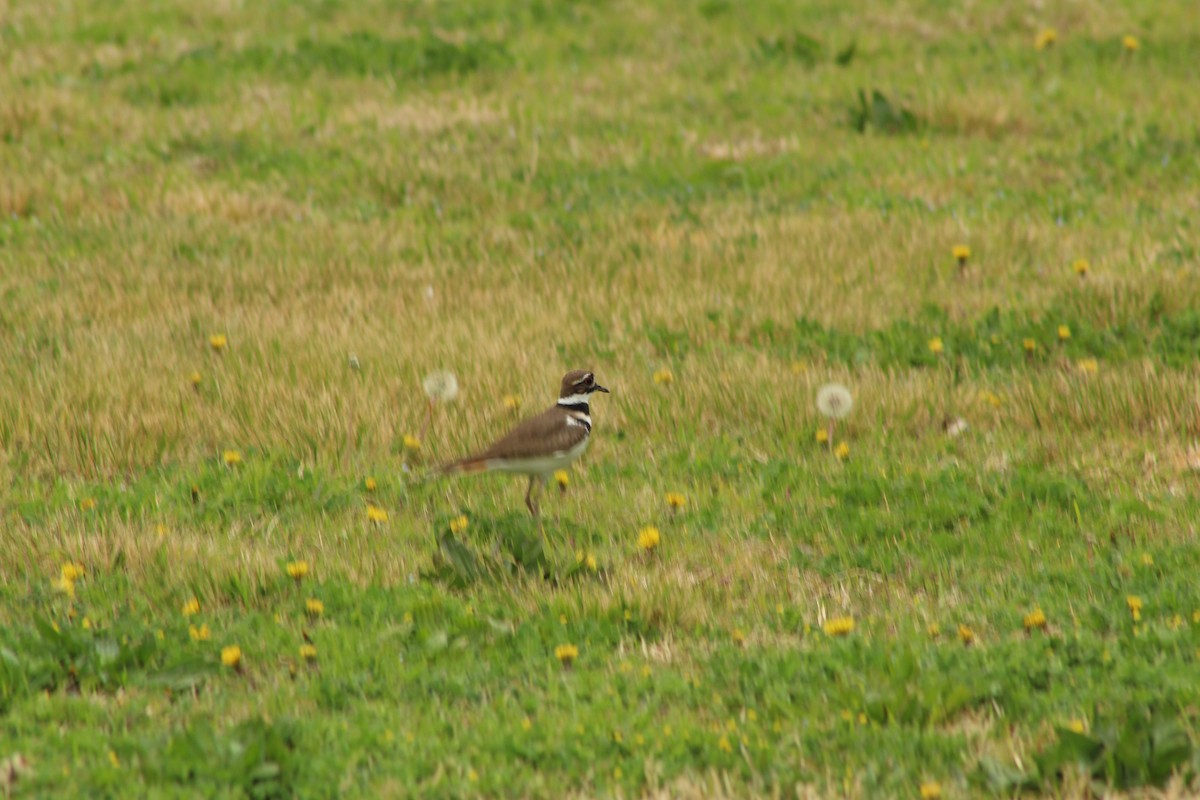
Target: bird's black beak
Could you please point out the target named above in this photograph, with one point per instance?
(599, 388)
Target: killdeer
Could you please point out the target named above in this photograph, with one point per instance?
(542, 444)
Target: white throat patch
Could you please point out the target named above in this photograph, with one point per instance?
(573, 400)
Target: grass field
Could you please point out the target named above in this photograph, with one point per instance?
(719, 208)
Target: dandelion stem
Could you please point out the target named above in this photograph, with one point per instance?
(428, 419)
(832, 425)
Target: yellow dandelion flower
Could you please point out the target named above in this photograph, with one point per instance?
(1064, 332)
(931, 790)
(842, 451)
(232, 457)
(739, 638)
(297, 569)
(934, 630)
(1045, 38)
(218, 341)
(65, 586)
(1130, 43)
(113, 758)
(411, 443)
(72, 571)
(200, 634)
(1088, 366)
(590, 562)
(1196, 617)
(1147, 560)
(936, 346)
(526, 724)
(1035, 620)
(1081, 267)
(1135, 607)
(231, 656)
(961, 253)
(1076, 726)
(160, 529)
(191, 607)
(822, 436)
(966, 635)
(663, 376)
(308, 652)
(87, 504)
(459, 524)
(512, 402)
(1175, 622)
(648, 538)
(566, 654)
(1029, 344)
(376, 514)
(370, 485)
(86, 623)
(562, 478)
(195, 377)
(676, 500)
(723, 744)
(314, 607)
(839, 626)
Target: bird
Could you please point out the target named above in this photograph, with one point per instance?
(542, 444)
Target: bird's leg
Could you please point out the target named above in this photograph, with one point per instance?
(530, 503)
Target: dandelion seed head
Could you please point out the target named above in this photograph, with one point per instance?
(440, 386)
(834, 400)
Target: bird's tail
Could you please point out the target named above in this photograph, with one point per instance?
(462, 466)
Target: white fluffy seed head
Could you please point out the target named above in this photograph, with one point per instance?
(834, 400)
(440, 386)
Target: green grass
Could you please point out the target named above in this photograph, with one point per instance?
(717, 208)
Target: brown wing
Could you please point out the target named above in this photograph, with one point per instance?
(543, 435)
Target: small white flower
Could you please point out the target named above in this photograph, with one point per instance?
(441, 386)
(834, 400)
(354, 361)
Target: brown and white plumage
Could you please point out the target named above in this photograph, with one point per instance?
(542, 444)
